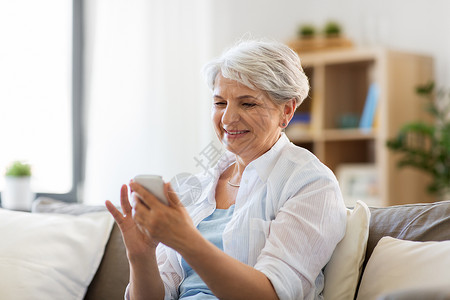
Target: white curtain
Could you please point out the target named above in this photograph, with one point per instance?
(146, 100)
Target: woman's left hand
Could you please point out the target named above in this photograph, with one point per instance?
(169, 224)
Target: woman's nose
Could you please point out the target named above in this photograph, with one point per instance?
(230, 115)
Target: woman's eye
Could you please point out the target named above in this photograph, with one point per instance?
(219, 103)
(249, 104)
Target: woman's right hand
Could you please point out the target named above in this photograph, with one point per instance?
(137, 243)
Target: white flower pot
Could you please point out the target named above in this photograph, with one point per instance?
(17, 194)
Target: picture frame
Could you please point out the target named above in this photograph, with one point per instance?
(359, 182)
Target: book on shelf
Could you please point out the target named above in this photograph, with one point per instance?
(370, 107)
(301, 117)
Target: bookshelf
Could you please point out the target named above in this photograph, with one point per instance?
(340, 81)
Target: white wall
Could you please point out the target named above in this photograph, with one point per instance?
(147, 109)
(144, 59)
(410, 25)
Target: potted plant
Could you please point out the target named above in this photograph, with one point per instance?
(17, 194)
(306, 31)
(426, 145)
(332, 29)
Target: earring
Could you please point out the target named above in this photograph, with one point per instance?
(284, 124)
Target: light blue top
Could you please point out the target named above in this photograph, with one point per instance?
(211, 228)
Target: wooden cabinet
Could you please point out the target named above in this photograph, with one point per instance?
(339, 81)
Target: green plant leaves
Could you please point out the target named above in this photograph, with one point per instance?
(427, 146)
(425, 89)
(18, 169)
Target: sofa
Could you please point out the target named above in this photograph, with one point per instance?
(415, 222)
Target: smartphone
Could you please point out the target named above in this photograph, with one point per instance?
(154, 184)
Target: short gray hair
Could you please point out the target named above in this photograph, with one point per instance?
(268, 66)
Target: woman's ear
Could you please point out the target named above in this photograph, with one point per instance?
(288, 112)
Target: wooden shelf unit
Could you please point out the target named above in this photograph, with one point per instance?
(339, 81)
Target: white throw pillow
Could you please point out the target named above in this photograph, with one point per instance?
(343, 271)
(50, 256)
(399, 265)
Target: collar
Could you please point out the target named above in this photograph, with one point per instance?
(263, 165)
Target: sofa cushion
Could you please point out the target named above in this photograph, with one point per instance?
(414, 222)
(112, 276)
(401, 265)
(50, 256)
(343, 271)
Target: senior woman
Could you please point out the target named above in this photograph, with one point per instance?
(271, 213)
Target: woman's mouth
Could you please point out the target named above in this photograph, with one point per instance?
(235, 133)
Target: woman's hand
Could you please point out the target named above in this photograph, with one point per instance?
(169, 224)
(136, 242)
(145, 280)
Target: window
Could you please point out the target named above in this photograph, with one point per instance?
(40, 92)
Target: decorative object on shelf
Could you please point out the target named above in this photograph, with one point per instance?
(307, 39)
(17, 194)
(306, 31)
(426, 145)
(332, 29)
(348, 121)
(359, 181)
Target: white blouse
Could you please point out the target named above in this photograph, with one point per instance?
(289, 216)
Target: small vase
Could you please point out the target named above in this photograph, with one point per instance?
(17, 194)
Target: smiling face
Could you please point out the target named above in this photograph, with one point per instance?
(246, 121)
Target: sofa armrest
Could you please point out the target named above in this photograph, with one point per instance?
(112, 276)
(414, 222)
